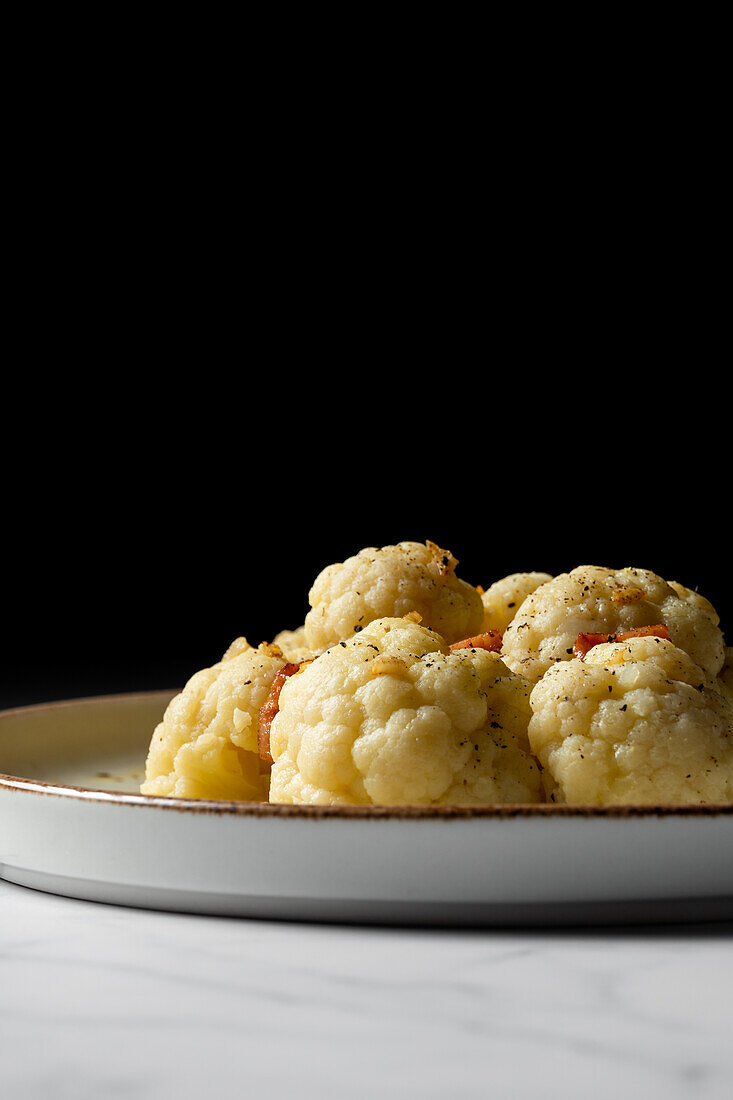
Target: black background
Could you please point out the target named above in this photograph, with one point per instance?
(206, 402)
(148, 527)
(230, 360)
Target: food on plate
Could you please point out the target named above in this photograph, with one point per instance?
(503, 598)
(207, 744)
(391, 581)
(293, 644)
(591, 599)
(585, 642)
(725, 680)
(490, 640)
(634, 721)
(393, 716)
(406, 685)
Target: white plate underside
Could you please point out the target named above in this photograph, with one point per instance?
(65, 828)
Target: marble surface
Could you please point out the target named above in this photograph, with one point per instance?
(98, 1001)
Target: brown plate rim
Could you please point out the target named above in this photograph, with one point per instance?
(19, 784)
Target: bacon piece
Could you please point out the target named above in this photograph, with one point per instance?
(270, 707)
(584, 643)
(491, 641)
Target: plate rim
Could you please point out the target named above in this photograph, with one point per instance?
(21, 784)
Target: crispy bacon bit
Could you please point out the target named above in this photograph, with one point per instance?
(444, 560)
(626, 594)
(270, 707)
(491, 640)
(585, 642)
(384, 665)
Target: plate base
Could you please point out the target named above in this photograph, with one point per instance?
(366, 911)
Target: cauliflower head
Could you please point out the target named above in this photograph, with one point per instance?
(503, 599)
(392, 716)
(391, 581)
(634, 722)
(206, 745)
(591, 599)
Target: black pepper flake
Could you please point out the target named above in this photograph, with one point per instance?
(357, 628)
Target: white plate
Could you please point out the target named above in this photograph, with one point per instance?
(76, 826)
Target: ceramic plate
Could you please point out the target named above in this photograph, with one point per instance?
(74, 824)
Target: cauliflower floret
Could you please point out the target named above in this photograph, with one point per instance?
(294, 645)
(590, 600)
(634, 722)
(206, 745)
(503, 599)
(374, 584)
(693, 626)
(392, 716)
(238, 646)
(725, 680)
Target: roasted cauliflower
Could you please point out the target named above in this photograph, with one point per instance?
(634, 722)
(503, 599)
(593, 599)
(206, 746)
(406, 685)
(725, 680)
(393, 716)
(391, 581)
(293, 644)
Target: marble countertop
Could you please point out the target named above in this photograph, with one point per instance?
(99, 1001)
